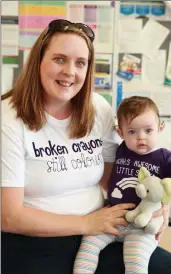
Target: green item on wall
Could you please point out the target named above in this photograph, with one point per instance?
(107, 96)
(48, 3)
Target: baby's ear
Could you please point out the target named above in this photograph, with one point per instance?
(120, 133)
(161, 126)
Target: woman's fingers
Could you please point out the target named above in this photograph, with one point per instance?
(164, 210)
(158, 213)
(119, 213)
(159, 236)
(115, 231)
(113, 228)
(123, 206)
(121, 221)
(107, 219)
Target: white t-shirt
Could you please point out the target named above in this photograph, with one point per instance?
(58, 174)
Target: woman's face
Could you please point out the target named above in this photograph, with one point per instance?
(63, 68)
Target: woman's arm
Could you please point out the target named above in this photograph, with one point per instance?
(19, 219)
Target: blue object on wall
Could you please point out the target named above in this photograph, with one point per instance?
(142, 10)
(126, 9)
(125, 74)
(158, 10)
(119, 93)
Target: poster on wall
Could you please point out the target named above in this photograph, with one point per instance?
(34, 16)
(150, 74)
(128, 35)
(103, 71)
(152, 37)
(99, 16)
(130, 66)
(10, 38)
(9, 43)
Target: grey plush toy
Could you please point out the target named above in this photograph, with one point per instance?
(154, 192)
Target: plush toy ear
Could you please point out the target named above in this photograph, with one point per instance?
(167, 187)
(166, 199)
(142, 174)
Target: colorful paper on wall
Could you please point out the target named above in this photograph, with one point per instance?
(97, 16)
(10, 37)
(103, 71)
(10, 60)
(34, 16)
(129, 66)
(107, 96)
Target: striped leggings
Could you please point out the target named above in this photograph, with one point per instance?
(138, 248)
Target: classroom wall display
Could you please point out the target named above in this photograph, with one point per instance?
(108, 18)
(129, 66)
(9, 43)
(120, 28)
(157, 10)
(99, 16)
(34, 16)
(103, 71)
(143, 39)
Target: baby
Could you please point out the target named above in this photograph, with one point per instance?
(139, 126)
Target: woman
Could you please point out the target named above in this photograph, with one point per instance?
(57, 135)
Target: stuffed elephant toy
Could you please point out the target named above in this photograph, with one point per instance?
(154, 192)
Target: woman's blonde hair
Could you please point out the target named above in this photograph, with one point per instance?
(27, 95)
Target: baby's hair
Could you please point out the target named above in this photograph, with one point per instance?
(134, 106)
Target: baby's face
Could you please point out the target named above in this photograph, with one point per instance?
(142, 133)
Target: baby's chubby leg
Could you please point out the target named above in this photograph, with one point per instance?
(138, 248)
(88, 254)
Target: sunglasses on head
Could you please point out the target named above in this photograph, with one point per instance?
(61, 24)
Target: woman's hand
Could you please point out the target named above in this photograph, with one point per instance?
(164, 211)
(106, 219)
